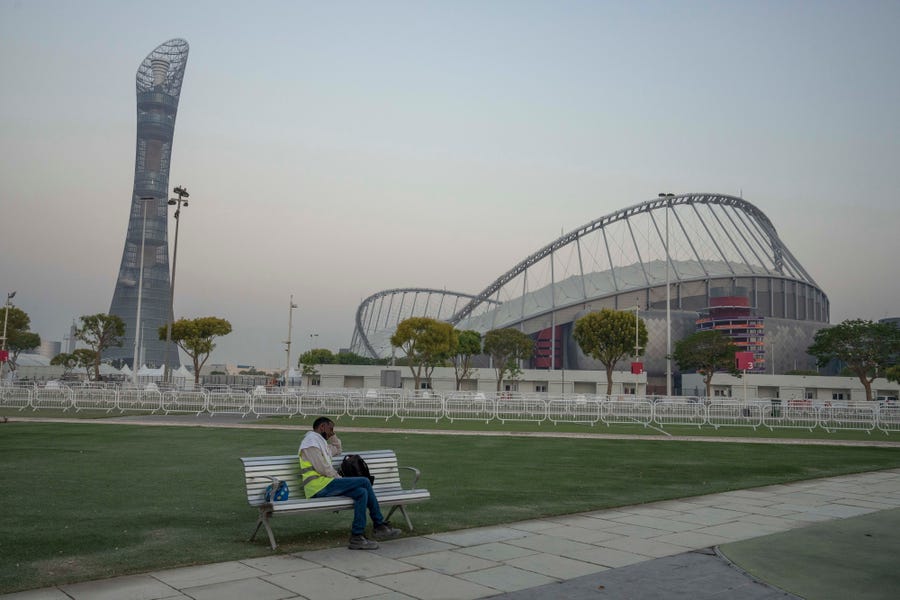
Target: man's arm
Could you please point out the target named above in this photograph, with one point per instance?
(320, 463)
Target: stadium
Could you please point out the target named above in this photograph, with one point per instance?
(725, 265)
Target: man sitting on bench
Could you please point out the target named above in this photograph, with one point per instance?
(321, 480)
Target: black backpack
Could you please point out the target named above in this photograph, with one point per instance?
(354, 466)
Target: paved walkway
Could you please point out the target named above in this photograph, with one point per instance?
(660, 550)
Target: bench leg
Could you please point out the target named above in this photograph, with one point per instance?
(403, 512)
(263, 520)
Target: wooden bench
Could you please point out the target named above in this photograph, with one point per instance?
(261, 471)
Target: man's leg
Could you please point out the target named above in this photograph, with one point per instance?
(354, 488)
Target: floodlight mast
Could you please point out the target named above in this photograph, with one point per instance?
(182, 194)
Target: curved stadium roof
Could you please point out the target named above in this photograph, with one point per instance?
(709, 237)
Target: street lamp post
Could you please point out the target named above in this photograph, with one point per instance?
(137, 319)
(182, 194)
(9, 297)
(287, 342)
(668, 197)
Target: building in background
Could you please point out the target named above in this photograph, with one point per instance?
(703, 245)
(730, 313)
(158, 83)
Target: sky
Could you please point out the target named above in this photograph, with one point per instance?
(336, 149)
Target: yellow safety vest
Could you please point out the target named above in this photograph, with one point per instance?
(313, 482)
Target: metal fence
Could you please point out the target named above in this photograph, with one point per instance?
(502, 407)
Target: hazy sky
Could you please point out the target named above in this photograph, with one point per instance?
(335, 149)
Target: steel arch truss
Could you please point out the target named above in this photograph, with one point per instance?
(378, 315)
(689, 237)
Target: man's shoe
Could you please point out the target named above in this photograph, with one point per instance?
(386, 532)
(359, 542)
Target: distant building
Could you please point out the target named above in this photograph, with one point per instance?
(158, 83)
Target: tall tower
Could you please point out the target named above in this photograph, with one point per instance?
(158, 83)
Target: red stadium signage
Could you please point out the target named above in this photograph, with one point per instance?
(743, 361)
(637, 368)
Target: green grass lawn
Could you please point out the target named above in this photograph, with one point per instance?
(84, 501)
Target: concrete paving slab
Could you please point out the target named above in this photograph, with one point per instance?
(450, 562)
(483, 535)
(586, 522)
(279, 564)
(135, 587)
(358, 563)
(505, 578)
(645, 547)
(841, 511)
(738, 530)
(325, 583)
(42, 594)
(428, 585)
(711, 516)
(608, 557)
(240, 590)
(533, 526)
(623, 529)
(549, 544)
(207, 574)
(579, 534)
(689, 576)
(497, 551)
(557, 567)
(655, 523)
(692, 539)
(411, 546)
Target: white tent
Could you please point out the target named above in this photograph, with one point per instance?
(125, 370)
(182, 373)
(146, 371)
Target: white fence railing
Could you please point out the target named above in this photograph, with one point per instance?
(580, 409)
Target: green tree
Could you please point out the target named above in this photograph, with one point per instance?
(195, 337)
(426, 342)
(351, 358)
(468, 347)
(506, 348)
(893, 373)
(608, 336)
(18, 337)
(99, 332)
(310, 359)
(866, 347)
(66, 361)
(706, 352)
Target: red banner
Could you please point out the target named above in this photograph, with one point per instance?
(743, 361)
(637, 368)
(4, 355)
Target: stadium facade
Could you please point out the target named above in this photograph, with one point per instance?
(158, 83)
(724, 261)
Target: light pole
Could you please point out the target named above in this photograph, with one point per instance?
(667, 196)
(287, 342)
(9, 297)
(137, 320)
(182, 194)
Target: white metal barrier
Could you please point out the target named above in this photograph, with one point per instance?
(139, 400)
(627, 412)
(790, 414)
(580, 409)
(468, 406)
(734, 414)
(851, 416)
(274, 402)
(184, 402)
(323, 403)
(16, 396)
(460, 405)
(424, 404)
(679, 413)
(57, 396)
(379, 404)
(519, 407)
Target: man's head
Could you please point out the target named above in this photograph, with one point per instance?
(324, 427)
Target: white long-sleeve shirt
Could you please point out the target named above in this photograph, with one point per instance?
(313, 450)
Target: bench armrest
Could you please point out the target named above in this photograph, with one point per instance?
(416, 474)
